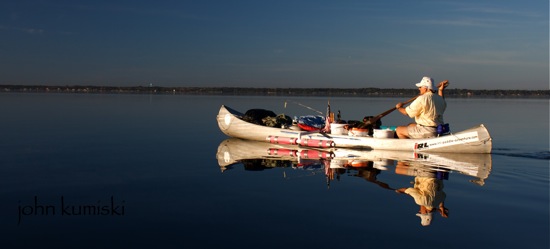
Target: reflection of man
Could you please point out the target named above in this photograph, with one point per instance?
(428, 194)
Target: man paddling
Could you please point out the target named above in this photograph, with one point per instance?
(427, 111)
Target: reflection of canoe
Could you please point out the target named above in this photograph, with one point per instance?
(473, 140)
(234, 150)
(476, 165)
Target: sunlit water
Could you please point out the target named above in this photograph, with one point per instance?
(148, 164)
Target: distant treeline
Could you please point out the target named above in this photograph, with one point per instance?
(252, 91)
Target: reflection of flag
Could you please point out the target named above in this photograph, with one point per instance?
(328, 171)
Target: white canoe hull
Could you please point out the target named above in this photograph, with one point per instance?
(473, 140)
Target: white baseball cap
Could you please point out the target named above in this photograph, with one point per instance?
(426, 219)
(426, 82)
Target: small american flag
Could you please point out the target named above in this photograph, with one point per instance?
(327, 119)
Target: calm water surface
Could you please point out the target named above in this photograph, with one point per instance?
(140, 171)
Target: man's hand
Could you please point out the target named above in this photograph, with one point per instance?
(400, 190)
(443, 84)
(398, 105)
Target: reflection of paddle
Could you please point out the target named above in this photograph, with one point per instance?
(444, 83)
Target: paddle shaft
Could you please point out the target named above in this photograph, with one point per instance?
(381, 115)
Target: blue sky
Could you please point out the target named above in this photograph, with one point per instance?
(476, 44)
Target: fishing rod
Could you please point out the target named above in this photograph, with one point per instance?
(302, 105)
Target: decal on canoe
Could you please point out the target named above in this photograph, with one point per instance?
(445, 141)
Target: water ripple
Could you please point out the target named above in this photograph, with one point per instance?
(543, 155)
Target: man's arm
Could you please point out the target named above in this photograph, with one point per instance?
(441, 86)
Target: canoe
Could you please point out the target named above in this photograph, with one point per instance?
(473, 140)
(235, 150)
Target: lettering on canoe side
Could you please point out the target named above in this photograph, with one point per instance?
(420, 146)
(449, 140)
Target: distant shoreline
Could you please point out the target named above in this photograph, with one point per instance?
(252, 91)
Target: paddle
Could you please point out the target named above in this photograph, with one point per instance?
(444, 83)
(381, 115)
